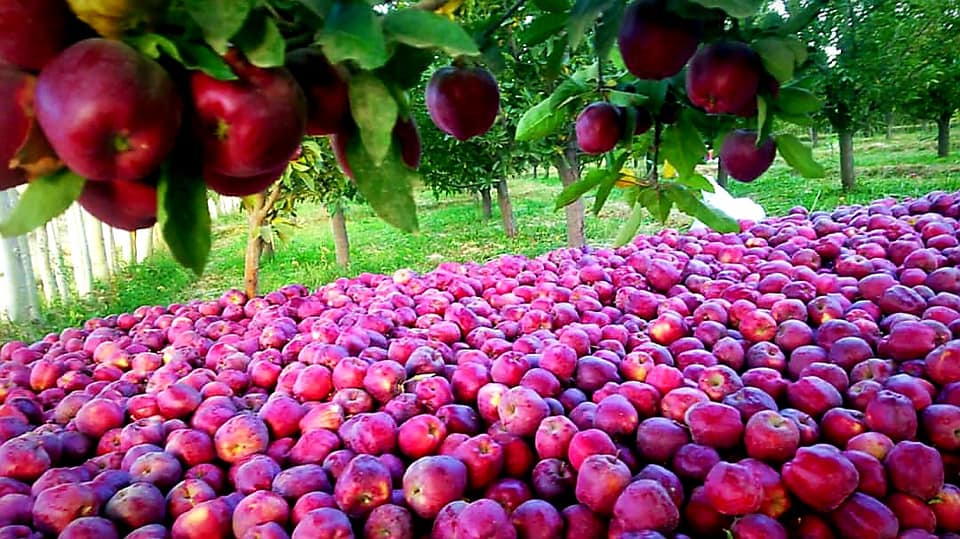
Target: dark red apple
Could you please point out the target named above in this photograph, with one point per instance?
(109, 112)
(599, 127)
(328, 103)
(654, 42)
(724, 78)
(249, 126)
(743, 158)
(463, 101)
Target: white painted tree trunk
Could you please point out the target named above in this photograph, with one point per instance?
(111, 248)
(214, 207)
(144, 244)
(98, 252)
(56, 258)
(18, 289)
(40, 254)
(133, 248)
(122, 237)
(79, 251)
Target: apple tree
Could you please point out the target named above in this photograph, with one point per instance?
(669, 78)
(136, 109)
(921, 50)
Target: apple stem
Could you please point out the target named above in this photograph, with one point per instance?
(121, 143)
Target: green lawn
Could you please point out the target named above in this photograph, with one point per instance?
(452, 229)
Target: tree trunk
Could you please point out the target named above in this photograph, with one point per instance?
(721, 175)
(943, 135)
(341, 242)
(847, 175)
(889, 120)
(486, 203)
(144, 244)
(134, 257)
(18, 290)
(98, 253)
(814, 137)
(110, 247)
(214, 209)
(535, 168)
(56, 259)
(251, 261)
(79, 251)
(40, 256)
(506, 209)
(256, 217)
(569, 174)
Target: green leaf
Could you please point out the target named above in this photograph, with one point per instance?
(553, 6)
(625, 99)
(582, 17)
(353, 32)
(219, 19)
(375, 112)
(42, 200)
(683, 146)
(566, 90)
(603, 193)
(690, 204)
(735, 8)
(764, 120)
(629, 228)
(202, 58)
(697, 182)
(155, 45)
(555, 61)
(388, 188)
(542, 28)
(656, 202)
(261, 42)
(574, 191)
(799, 101)
(798, 156)
(539, 121)
(318, 7)
(183, 213)
(605, 34)
(424, 29)
(406, 66)
(778, 56)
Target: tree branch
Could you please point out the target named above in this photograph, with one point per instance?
(503, 18)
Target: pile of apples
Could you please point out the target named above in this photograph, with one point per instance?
(800, 378)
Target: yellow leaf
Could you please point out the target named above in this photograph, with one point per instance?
(449, 8)
(112, 18)
(668, 170)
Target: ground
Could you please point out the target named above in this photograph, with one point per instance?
(452, 229)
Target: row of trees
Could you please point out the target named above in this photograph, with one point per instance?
(62, 261)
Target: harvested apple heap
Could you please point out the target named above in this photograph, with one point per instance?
(801, 375)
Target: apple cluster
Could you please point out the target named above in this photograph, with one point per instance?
(722, 77)
(116, 117)
(800, 378)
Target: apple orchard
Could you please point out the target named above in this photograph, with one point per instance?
(793, 377)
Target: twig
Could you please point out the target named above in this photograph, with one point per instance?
(503, 18)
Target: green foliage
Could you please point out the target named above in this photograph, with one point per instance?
(42, 200)
(183, 213)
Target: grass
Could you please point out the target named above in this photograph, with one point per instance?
(452, 229)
